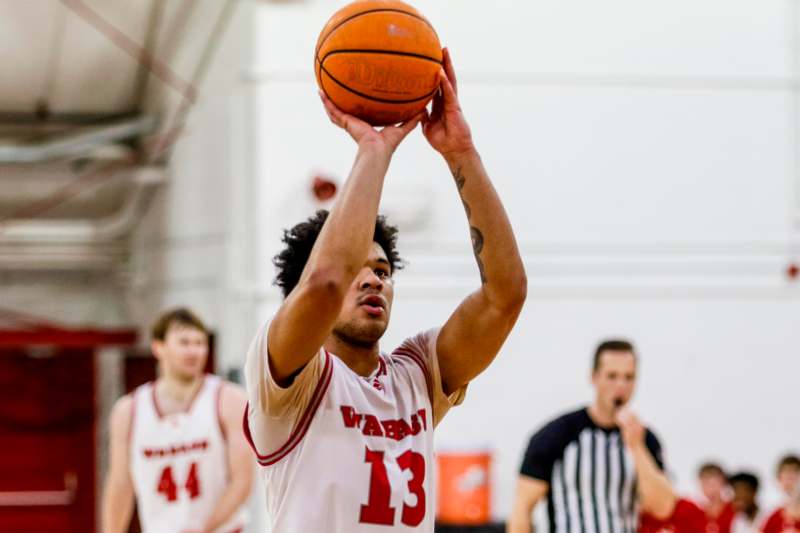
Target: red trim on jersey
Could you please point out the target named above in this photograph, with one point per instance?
(133, 417)
(188, 408)
(159, 414)
(219, 411)
(305, 421)
(421, 362)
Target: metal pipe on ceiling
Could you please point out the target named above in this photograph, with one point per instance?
(79, 142)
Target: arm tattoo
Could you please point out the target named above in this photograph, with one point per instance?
(460, 181)
(475, 233)
(477, 247)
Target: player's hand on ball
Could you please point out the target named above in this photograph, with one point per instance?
(631, 427)
(387, 138)
(446, 129)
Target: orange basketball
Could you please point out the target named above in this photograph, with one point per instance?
(378, 60)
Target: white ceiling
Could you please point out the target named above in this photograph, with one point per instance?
(100, 56)
(76, 74)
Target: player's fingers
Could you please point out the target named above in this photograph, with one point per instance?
(447, 60)
(436, 106)
(408, 126)
(425, 116)
(334, 113)
(449, 95)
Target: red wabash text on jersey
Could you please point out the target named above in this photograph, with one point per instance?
(344, 453)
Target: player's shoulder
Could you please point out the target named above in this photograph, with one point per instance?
(230, 387)
(122, 411)
(419, 342)
(419, 348)
(124, 403)
(232, 396)
(774, 516)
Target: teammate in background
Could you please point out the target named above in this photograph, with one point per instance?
(716, 498)
(344, 432)
(786, 519)
(748, 516)
(597, 466)
(177, 443)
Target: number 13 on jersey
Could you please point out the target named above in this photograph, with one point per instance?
(378, 509)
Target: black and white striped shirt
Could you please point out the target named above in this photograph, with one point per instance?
(591, 475)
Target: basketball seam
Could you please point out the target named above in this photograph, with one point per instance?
(383, 10)
(368, 97)
(387, 52)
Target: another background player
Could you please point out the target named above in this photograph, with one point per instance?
(177, 443)
(786, 518)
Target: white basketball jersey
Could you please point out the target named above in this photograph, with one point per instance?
(340, 453)
(179, 462)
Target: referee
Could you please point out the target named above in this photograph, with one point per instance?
(598, 466)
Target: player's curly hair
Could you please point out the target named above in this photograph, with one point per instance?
(300, 239)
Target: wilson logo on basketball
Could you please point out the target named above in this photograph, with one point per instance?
(382, 79)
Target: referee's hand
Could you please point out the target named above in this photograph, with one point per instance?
(631, 427)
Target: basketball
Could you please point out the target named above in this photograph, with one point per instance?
(378, 60)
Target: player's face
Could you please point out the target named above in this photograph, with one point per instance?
(744, 497)
(789, 479)
(712, 485)
(368, 303)
(614, 379)
(183, 352)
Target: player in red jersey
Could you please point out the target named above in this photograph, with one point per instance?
(786, 519)
(686, 518)
(716, 500)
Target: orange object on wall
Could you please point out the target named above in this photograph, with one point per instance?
(464, 493)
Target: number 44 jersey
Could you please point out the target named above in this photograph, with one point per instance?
(179, 463)
(344, 453)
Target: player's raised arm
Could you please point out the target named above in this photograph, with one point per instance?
(118, 491)
(473, 335)
(306, 317)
